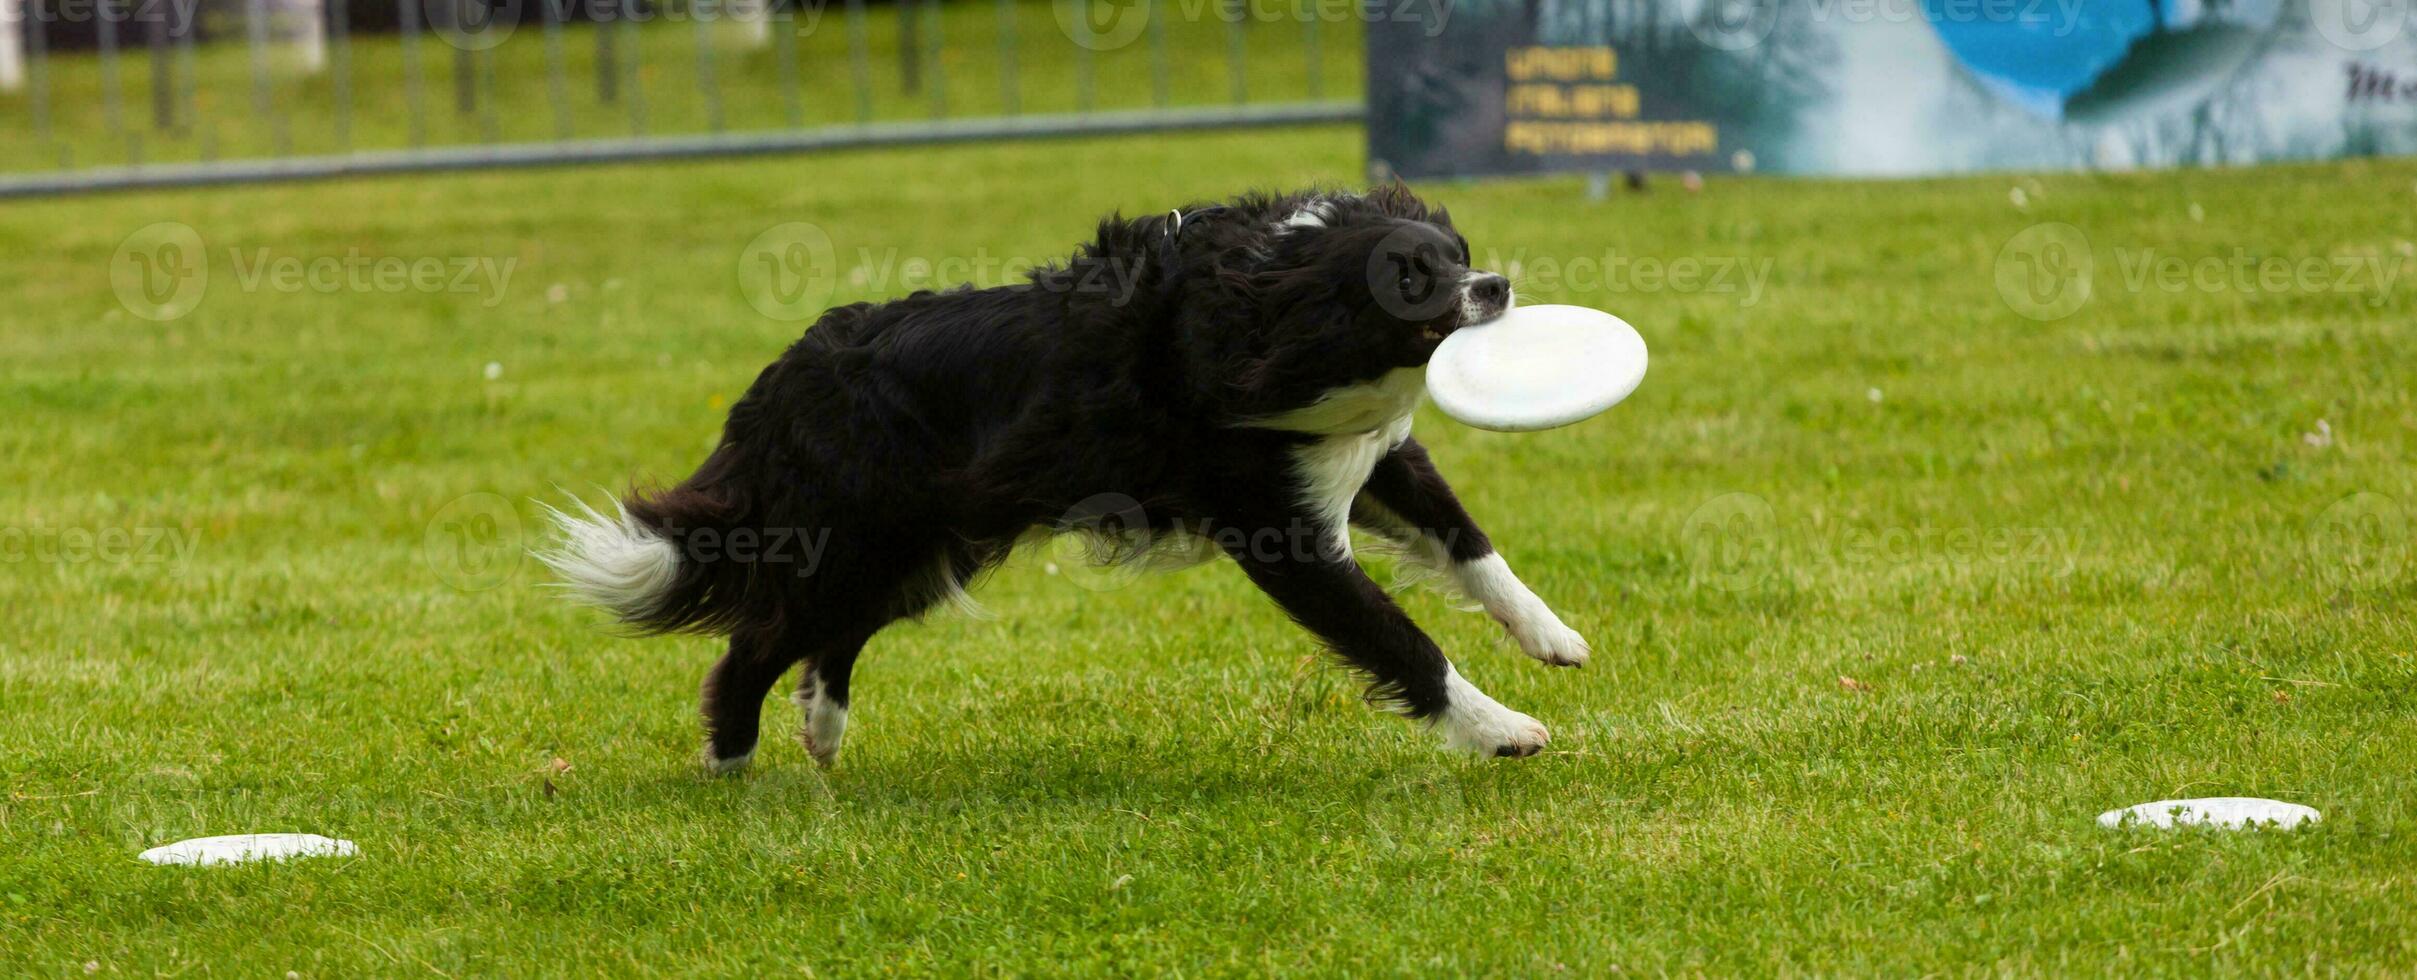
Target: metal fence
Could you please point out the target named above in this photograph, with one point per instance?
(102, 94)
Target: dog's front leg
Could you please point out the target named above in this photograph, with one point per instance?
(1327, 593)
(1407, 501)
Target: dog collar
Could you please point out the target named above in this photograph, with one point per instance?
(1168, 245)
(1176, 219)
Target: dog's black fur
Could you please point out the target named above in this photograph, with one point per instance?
(1166, 365)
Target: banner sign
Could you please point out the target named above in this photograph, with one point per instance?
(1478, 87)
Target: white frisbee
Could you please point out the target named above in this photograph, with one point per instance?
(2228, 812)
(239, 848)
(1536, 367)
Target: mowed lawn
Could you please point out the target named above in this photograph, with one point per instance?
(1893, 586)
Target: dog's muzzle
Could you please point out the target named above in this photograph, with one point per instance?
(1483, 296)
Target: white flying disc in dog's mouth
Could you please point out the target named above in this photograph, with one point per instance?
(1536, 367)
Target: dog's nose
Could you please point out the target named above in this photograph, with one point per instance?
(1490, 289)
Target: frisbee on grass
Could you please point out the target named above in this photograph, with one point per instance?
(1536, 367)
(2228, 812)
(239, 848)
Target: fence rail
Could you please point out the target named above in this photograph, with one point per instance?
(225, 91)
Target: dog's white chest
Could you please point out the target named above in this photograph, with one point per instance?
(1333, 469)
(1356, 427)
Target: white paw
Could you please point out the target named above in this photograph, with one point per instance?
(826, 723)
(1540, 633)
(1473, 722)
(1553, 643)
(724, 767)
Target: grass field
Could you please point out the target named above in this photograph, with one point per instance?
(1894, 585)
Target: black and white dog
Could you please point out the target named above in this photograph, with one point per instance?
(1233, 379)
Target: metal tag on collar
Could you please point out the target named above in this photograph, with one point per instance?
(1175, 220)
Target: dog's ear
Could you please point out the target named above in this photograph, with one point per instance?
(1137, 238)
(1125, 252)
(1395, 200)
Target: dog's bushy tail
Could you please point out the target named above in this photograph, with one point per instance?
(630, 563)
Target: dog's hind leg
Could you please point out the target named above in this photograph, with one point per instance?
(734, 695)
(822, 690)
(822, 696)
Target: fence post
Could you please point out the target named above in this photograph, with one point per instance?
(465, 66)
(938, 61)
(264, 104)
(709, 87)
(557, 90)
(635, 91)
(484, 59)
(608, 73)
(37, 62)
(163, 74)
(188, 75)
(12, 45)
(785, 65)
(1086, 25)
(755, 20)
(1239, 11)
(910, 47)
(256, 46)
(859, 62)
(112, 100)
(312, 33)
(339, 24)
(1311, 54)
(407, 12)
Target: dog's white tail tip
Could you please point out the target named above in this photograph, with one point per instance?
(612, 562)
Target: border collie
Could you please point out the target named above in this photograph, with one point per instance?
(1234, 379)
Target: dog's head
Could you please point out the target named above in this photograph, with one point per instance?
(1350, 291)
(1398, 273)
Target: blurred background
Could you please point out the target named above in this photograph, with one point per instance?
(89, 84)
(218, 89)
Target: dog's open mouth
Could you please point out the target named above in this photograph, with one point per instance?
(1434, 333)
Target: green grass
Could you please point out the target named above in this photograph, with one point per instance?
(1165, 778)
(1292, 51)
